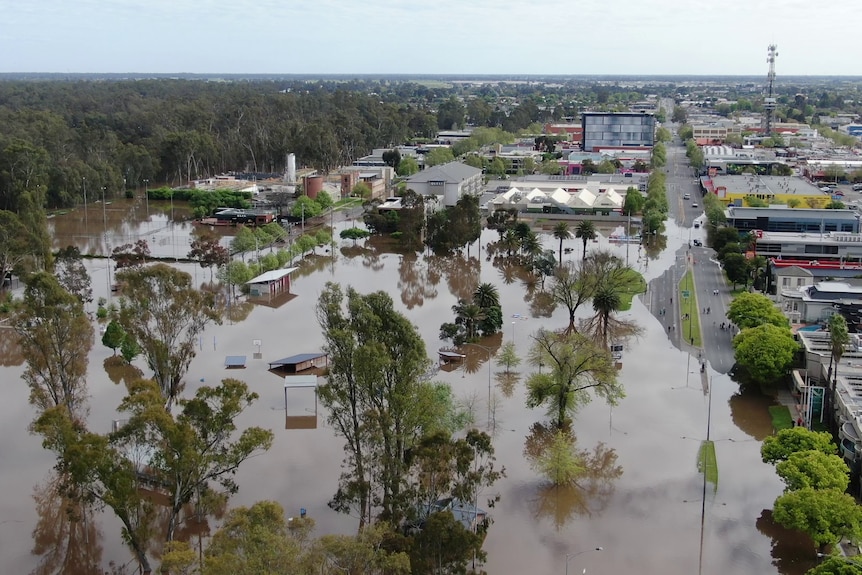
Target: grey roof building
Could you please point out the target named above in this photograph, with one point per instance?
(447, 181)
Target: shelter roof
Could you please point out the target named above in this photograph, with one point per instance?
(271, 276)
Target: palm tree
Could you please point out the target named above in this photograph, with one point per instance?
(838, 338)
(606, 302)
(510, 242)
(531, 246)
(586, 231)
(471, 315)
(486, 296)
(561, 232)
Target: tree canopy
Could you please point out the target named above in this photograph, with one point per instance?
(766, 351)
(780, 447)
(165, 314)
(753, 309)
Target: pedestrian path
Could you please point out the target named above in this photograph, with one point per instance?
(786, 398)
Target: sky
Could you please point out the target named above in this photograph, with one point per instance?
(551, 37)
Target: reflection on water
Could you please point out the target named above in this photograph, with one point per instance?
(542, 304)
(793, 552)
(591, 491)
(10, 351)
(414, 281)
(460, 272)
(506, 382)
(120, 371)
(66, 538)
(749, 409)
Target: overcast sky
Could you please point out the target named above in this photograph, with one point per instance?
(430, 36)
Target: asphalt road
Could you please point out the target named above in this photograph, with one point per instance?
(712, 290)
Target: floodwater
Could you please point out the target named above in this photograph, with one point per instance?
(641, 496)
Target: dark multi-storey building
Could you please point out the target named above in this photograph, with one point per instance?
(617, 130)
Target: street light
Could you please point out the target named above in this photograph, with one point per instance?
(147, 194)
(513, 332)
(490, 355)
(570, 556)
(84, 185)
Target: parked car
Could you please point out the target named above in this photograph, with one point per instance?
(857, 187)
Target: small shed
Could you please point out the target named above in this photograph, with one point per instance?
(447, 356)
(300, 362)
(271, 283)
(234, 361)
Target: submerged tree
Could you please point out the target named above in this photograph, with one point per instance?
(483, 315)
(826, 515)
(94, 470)
(196, 447)
(561, 232)
(55, 338)
(586, 231)
(163, 313)
(375, 397)
(209, 253)
(578, 368)
(72, 275)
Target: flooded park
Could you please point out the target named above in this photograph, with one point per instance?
(641, 498)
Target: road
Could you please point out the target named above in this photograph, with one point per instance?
(713, 293)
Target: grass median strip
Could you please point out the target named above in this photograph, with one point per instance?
(689, 311)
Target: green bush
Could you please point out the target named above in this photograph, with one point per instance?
(204, 199)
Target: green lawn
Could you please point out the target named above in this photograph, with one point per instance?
(634, 285)
(781, 417)
(347, 203)
(690, 328)
(707, 463)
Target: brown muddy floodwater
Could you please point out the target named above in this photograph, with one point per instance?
(641, 499)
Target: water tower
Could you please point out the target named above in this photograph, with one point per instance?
(290, 173)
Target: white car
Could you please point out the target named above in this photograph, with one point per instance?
(694, 205)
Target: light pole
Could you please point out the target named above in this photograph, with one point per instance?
(570, 556)
(147, 194)
(104, 213)
(490, 355)
(513, 332)
(84, 185)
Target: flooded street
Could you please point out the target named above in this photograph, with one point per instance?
(641, 499)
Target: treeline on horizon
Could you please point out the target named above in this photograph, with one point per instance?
(64, 139)
(61, 140)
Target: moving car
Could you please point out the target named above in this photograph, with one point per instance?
(686, 196)
(694, 205)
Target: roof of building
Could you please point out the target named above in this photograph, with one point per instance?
(832, 291)
(452, 173)
(746, 213)
(793, 271)
(766, 185)
(234, 361)
(828, 238)
(296, 359)
(271, 276)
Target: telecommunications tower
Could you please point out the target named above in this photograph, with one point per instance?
(769, 102)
